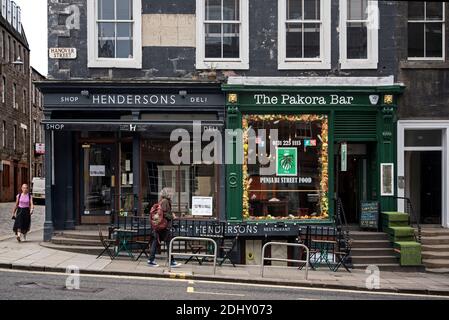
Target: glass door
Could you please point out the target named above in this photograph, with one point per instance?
(177, 179)
(98, 180)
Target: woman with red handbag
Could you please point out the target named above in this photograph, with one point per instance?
(22, 213)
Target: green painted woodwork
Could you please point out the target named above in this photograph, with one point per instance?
(359, 121)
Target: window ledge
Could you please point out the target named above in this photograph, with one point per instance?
(115, 63)
(346, 65)
(312, 65)
(222, 65)
(423, 64)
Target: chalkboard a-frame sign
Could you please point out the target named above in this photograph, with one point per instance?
(369, 215)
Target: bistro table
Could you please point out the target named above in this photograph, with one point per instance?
(124, 237)
(324, 248)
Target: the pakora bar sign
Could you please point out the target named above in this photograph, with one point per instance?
(313, 100)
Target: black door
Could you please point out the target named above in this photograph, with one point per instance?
(431, 184)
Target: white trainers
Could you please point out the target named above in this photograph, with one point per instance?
(152, 264)
(175, 265)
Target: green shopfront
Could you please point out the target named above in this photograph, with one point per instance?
(312, 145)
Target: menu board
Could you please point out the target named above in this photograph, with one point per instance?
(369, 215)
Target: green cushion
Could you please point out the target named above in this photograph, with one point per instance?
(387, 224)
(395, 216)
(407, 244)
(410, 253)
(400, 231)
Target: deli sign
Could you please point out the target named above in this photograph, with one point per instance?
(62, 53)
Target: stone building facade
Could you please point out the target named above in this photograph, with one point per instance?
(15, 82)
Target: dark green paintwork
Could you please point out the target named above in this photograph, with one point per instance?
(359, 129)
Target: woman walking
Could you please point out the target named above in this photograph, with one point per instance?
(22, 213)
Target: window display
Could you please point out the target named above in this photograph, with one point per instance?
(298, 187)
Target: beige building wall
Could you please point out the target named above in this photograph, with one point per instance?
(168, 30)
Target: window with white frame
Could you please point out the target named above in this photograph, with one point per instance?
(222, 29)
(14, 137)
(24, 101)
(3, 89)
(359, 27)
(14, 93)
(4, 134)
(426, 29)
(304, 34)
(114, 34)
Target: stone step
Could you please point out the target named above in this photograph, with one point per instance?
(360, 235)
(435, 254)
(435, 240)
(432, 232)
(436, 263)
(435, 247)
(371, 244)
(392, 267)
(358, 252)
(92, 250)
(84, 235)
(76, 242)
(375, 260)
(438, 270)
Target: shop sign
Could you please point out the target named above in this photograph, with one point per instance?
(62, 53)
(40, 148)
(369, 214)
(97, 171)
(202, 206)
(299, 99)
(286, 161)
(307, 99)
(137, 100)
(243, 230)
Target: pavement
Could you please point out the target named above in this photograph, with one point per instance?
(6, 223)
(32, 257)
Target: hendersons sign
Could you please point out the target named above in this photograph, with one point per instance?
(120, 100)
(306, 99)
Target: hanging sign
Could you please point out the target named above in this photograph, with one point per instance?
(40, 148)
(387, 179)
(344, 157)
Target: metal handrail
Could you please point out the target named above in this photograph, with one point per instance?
(285, 260)
(411, 214)
(341, 214)
(171, 253)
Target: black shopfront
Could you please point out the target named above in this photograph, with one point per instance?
(109, 149)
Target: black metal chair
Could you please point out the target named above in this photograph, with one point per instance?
(343, 252)
(226, 250)
(107, 243)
